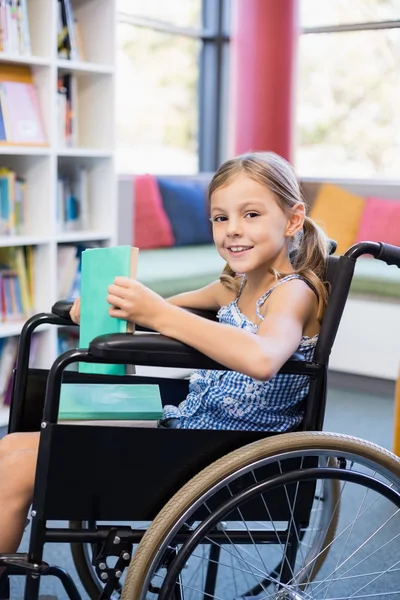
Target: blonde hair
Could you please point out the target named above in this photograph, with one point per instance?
(309, 248)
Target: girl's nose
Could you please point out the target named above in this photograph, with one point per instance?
(234, 228)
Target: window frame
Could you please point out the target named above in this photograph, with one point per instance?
(345, 28)
(213, 78)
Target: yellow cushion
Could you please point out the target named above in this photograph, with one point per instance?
(339, 213)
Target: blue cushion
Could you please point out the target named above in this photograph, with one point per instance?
(186, 207)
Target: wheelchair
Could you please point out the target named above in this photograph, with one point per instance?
(179, 514)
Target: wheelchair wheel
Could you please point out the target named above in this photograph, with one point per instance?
(207, 543)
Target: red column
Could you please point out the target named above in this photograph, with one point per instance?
(263, 55)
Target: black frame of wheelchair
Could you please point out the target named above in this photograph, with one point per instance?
(105, 474)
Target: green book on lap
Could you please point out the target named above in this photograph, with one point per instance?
(103, 402)
(84, 402)
(100, 266)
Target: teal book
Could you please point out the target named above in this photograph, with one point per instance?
(100, 266)
(93, 401)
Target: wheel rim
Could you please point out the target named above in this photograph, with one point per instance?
(302, 587)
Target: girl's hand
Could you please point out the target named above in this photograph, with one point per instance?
(134, 302)
(75, 312)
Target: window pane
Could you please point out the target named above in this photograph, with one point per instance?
(157, 101)
(347, 112)
(184, 13)
(339, 12)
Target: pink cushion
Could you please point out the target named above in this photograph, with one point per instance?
(380, 221)
(151, 227)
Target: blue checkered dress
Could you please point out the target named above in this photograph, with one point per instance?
(232, 400)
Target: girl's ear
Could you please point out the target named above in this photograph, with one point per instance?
(296, 220)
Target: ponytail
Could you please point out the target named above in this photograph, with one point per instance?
(310, 258)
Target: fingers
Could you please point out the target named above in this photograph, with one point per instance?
(123, 281)
(75, 312)
(118, 313)
(116, 301)
(117, 290)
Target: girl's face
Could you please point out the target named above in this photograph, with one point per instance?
(250, 230)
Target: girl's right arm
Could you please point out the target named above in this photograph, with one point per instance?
(210, 297)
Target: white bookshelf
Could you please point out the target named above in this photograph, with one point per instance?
(93, 150)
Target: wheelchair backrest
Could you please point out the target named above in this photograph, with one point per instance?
(339, 274)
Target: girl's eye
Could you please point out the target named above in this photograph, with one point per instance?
(251, 215)
(218, 219)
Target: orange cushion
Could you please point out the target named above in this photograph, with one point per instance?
(151, 226)
(339, 213)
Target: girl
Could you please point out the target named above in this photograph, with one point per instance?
(270, 300)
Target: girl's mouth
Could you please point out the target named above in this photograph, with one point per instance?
(238, 250)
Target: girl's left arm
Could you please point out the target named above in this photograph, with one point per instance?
(259, 356)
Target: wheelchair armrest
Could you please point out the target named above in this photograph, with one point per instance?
(155, 350)
(63, 307)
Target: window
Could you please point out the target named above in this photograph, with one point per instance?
(314, 13)
(162, 96)
(347, 118)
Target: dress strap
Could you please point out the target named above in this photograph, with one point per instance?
(241, 287)
(267, 294)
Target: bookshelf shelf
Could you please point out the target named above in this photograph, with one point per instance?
(41, 167)
(83, 236)
(23, 240)
(40, 61)
(10, 149)
(9, 329)
(71, 66)
(85, 152)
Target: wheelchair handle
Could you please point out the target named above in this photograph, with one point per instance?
(389, 254)
(379, 250)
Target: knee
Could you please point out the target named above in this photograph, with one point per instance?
(18, 441)
(18, 473)
(6, 444)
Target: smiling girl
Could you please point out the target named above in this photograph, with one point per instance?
(270, 300)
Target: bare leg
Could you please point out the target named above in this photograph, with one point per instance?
(18, 456)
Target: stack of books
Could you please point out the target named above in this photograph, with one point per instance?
(16, 283)
(14, 27)
(69, 43)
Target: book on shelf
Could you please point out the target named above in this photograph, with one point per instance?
(8, 361)
(20, 109)
(68, 265)
(14, 28)
(68, 339)
(100, 266)
(16, 283)
(69, 40)
(13, 203)
(67, 105)
(69, 258)
(8, 355)
(73, 200)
